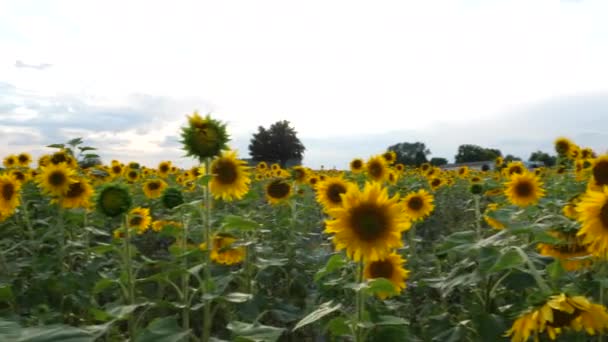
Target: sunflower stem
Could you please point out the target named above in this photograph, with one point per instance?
(185, 278)
(129, 273)
(412, 241)
(602, 271)
(207, 231)
(477, 216)
(360, 304)
(61, 233)
(533, 271)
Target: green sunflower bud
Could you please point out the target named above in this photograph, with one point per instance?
(172, 197)
(113, 199)
(476, 189)
(204, 137)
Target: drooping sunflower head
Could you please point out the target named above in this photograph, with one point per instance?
(10, 197)
(113, 199)
(369, 223)
(172, 197)
(231, 177)
(204, 137)
(418, 205)
(570, 250)
(524, 189)
(55, 179)
(164, 168)
(390, 157)
(78, 195)
(563, 146)
(10, 161)
(377, 169)
(330, 191)
(140, 219)
(390, 267)
(24, 159)
(299, 174)
(153, 188)
(277, 191)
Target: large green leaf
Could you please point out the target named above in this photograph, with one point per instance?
(334, 263)
(163, 330)
(254, 332)
(322, 311)
(239, 222)
(507, 260)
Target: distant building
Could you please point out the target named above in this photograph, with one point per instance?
(471, 165)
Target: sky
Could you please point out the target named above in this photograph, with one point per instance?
(352, 77)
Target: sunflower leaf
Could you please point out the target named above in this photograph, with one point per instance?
(323, 310)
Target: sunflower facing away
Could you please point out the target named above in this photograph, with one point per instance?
(593, 215)
(571, 252)
(154, 188)
(329, 192)
(369, 224)
(55, 179)
(139, 218)
(9, 195)
(376, 168)
(389, 267)
(524, 189)
(558, 314)
(418, 205)
(277, 191)
(230, 177)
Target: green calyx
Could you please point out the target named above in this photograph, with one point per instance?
(113, 199)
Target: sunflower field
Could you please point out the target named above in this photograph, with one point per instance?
(225, 251)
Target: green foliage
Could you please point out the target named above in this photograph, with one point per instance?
(413, 154)
(473, 153)
(279, 144)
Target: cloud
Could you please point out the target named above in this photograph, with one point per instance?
(42, 66)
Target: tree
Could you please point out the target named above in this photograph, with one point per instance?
(540, 156)
(410, 153)
(510, 158)
(435, 161)
(279, 144)
(473, 153)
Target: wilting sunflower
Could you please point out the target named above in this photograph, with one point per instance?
(10, 161)
(222, 251)
(389, 267)
(277, 191)
(369, 223)
(593, 215)
(10, 197)
(299, 174)
(204, 137)
(154, 188)
(599, 169)
(55, 179)
(329, 192)
(418, 205)
(390, 157)
(139, 218)
(563, 146)
(230, 177)
(491, 221)
(377, 169)
(558, 314)
(78, 195)
(164, 168)
(524, 189)
(113, 199)
(24, 159)
(571, 251)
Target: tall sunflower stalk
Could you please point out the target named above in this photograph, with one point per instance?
(206, 216)
(130, 295)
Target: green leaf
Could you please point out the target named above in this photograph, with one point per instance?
(391, 320)
(336, 261)
(555, 269)
(323, 310)
(263, 263)
(239, 222)
(204, 180)
(122, 311)
(56, 146)
(338, 326)
(6, 293)
(237, 297)
(103, 284)
(163, 330)
(54, 333)
(86, 148)
(91, 156)
(254, 332)
(381, 285)
(510, 259)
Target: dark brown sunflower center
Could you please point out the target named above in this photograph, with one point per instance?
(116, 169)
(435, 182)
(369, 222)
(23, 158)
(225, 171)
(415, 203)
(334, 191)
(523, 189)
(381, 269)
(57, 178)
(164, 168)
(357, 164)
(562, 147)
(195, 172)
(59, 158)
(154, 185)
(562, 318)
(561, 170)
(375, 169)
(8, 190)
(604, 215)
(278, 189)
(19, 175)
(299, 174)
(136, 220)
(388, 157)
(515, 169)
(600, 172)
(313, 181)
(425, 167)
(75, 190)
(462, 171)
(132, 174)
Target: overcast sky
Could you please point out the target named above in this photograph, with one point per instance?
(353, 77)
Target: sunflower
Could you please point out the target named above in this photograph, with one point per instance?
(418, 205)
(514, 167)
(524, 189)
(132, 175)
(392, 177)
(575, 152)
(63, 157)
(329, 192)
(463, 171)
(369, 223)
(491, 221)
(116, 170)
(313, 180)
(77, 196)
(230, 177)
(55, 179)
(436, 183)
(376, 169)
(164, 168)
(275, 167)
(139, 218)
(399, 168)
(299, 174)
(425, 167)
(10, 161)
(389, 267)
(587, 153)
(569, 210)
(158, 226)
(154, 188)
(262, 166)
(563, 146)
(204, 137)
(224, 253)
(24, 159)
(20, 176)
(475, 180)
(389, 157)
(593, 215)
(171, 198)
(570, 252)
(599, 170)
(9, 195)
(277, 191)
(498, 162)
(558, 314)
(113, 199)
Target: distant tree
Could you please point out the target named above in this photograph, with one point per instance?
(510, 158)
(279, 144)
(540, 156)
(410, 153)
(436, 161)
(473, 153)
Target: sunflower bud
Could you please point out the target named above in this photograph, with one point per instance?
(171, 198)
(113, 200)
(204, 137)
(476, 189)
